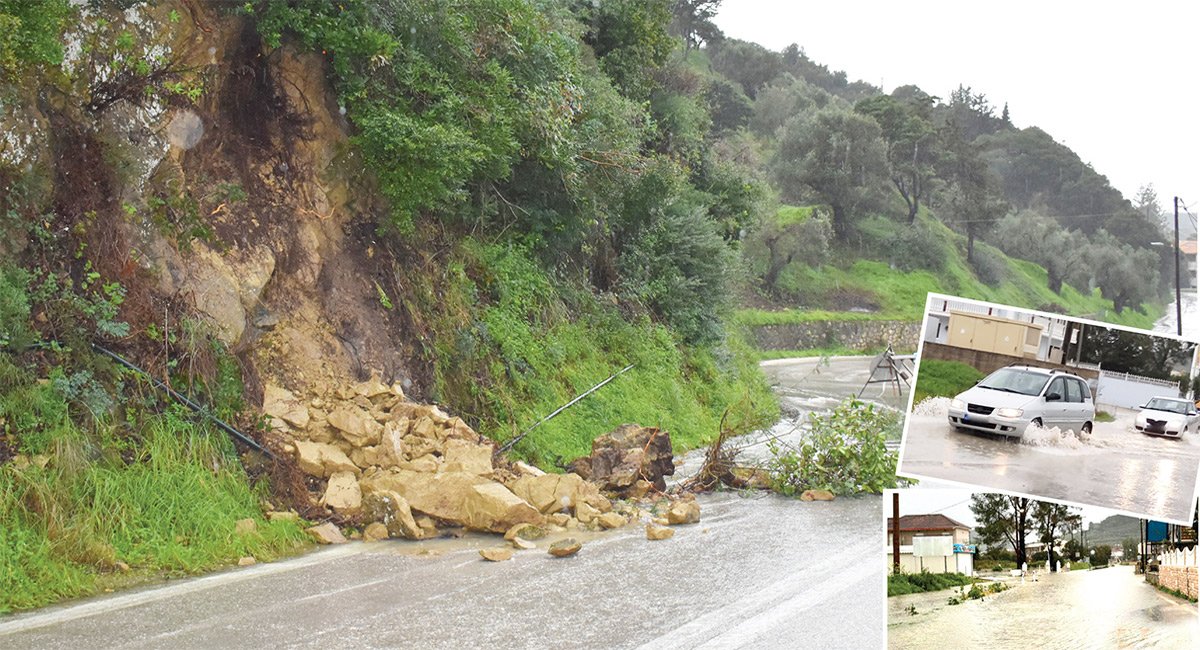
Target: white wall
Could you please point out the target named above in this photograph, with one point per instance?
(1128, 391)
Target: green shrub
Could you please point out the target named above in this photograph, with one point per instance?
(918, 247)
(911, 583)
(843, 453)
(989, 265)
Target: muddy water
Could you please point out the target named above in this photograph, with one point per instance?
(1106, 608)
(1115, 467)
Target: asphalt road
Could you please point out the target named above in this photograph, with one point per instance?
(756, 572)
(1115, 467)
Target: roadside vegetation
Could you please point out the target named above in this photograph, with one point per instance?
(937, 378)
(914, 583)
(844, 453)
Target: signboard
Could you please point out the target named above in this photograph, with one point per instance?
(940, 546)
(1156, 531)
(964, 548)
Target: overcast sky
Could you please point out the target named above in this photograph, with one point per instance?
(956, 504)
(1114, 82)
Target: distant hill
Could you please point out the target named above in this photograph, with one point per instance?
(1113, 530)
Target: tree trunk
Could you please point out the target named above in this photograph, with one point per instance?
(841, 229)
(1054, 278)
(970, 247)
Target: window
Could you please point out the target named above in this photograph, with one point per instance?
(1056, 386)
(1073, 392)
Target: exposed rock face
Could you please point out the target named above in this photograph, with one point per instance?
(626, 455)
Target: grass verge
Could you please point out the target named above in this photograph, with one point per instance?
(914, 583)
(937, 378)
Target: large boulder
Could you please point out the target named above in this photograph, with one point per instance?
(342, 493)
(464, 456)
(626, 455)
(551, 493)
(457, 497)
(322, 459)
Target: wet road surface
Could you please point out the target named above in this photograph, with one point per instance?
(758, 571)
(1105, 608)
(1115, 467)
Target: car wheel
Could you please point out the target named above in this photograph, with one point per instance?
(1037, 422)
(1087, 428)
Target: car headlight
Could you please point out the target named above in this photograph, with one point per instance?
(1009, 413)
(957, 404)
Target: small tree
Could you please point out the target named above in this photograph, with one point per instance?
(1101, 555)
(837, 154)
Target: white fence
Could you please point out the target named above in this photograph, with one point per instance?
(1131, 391)
(1183, 557)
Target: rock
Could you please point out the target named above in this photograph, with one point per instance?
(554, 492)
(525, 469)
(661, 521)
(265, 320)
(816, 495)
(392, 510)
(425, 428)
(322, 459)
(525, 531)
(282, 404)
(559, 519)
(326, 533)
(610, 520)
(247, 561)
(751, 478)
(374, 532)
(655, 532)
(496, 554)
(565, 547)
(521, 543)
(372, 456)
(639, 489)
(586, 513)
(463, 456)
(428, 526)
(274, 516)
(356, 425)
(457, 497)
(121, 566)
(342, 493)
(626, 455)
(683, 512)
(245, 526)
(372, 387)
(427, 463)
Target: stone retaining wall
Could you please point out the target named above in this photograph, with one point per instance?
(1179, 578)
(853, 334)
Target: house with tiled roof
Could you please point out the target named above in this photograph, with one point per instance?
(934, 543)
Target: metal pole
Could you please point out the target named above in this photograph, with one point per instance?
(896, 532)
(1178, 298)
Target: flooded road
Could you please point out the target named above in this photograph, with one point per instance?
(758, 571)
(1115, 467)
(1106, 608)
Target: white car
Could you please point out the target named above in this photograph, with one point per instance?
(1166, 416)
(1010, 399)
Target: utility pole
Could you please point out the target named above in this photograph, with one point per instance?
(1178, 298)
(895, 532)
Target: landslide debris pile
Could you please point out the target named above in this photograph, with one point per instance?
(406, 470)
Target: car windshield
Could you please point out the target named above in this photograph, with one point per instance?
(1170, 405)
(1011, 380)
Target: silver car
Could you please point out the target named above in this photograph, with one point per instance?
(1010, 399)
